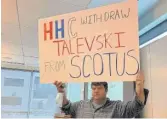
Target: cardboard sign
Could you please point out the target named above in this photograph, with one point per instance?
(98, 44)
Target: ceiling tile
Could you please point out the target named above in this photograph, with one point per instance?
(98, 3)
(55, 7)
(32, 10)
(8, 58)
(39, 9)
(9, 48)
(78, 2)
(11, 33)
(33, 52)
(9, 12)
(29, 36)
(30, 61)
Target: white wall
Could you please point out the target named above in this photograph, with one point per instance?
(154, 65)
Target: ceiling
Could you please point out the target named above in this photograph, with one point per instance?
(20, 20)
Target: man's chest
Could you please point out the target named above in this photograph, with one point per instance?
(89, 112)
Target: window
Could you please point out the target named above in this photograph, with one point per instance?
(75, 91)
(15, 91)
(24, 97)
(13, 82)
(43, 97)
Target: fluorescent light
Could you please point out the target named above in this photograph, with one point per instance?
(153, 24)
(154, 39)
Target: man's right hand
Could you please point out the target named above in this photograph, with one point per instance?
(59, 87)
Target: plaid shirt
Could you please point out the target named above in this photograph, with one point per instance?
(111, 109)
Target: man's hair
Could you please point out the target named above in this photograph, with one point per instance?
(105, 84)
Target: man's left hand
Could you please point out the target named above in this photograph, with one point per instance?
(140, 86)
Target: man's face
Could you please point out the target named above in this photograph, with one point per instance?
(98, 92)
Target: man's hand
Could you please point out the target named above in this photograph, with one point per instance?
(140, 86)
(59, 87)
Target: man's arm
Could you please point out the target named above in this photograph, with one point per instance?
(140, 87)
(134, 107)
(71, 108)
(67, 107)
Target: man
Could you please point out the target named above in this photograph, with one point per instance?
(101, 107)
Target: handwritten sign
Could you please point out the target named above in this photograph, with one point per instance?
(98, 44)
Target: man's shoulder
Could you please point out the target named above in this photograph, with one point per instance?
(112, 102)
